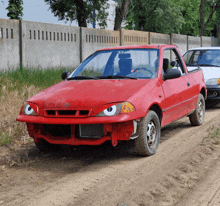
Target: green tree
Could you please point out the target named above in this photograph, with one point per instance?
(162, 16)
(216, 27)
(190, 14)
(199, 17)
(80, 10)
(15, 9)
(207, 10)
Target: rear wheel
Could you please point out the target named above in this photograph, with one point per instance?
(198, 116)
(149, 134)
(45, 146)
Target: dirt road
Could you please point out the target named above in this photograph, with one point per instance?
(184, 171)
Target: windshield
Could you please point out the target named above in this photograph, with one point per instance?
(111, 64)
(202, 58)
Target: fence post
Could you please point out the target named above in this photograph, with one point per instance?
(187, 43)
(20, 45)
(121, 43)
(80, 44)
(171, 38)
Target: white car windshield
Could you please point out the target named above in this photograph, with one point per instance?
(202, 58)
(122, 63)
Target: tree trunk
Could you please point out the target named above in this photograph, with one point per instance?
(118, 19)
(80, 13)
(120, 13)
(201, 11)
(204, 24)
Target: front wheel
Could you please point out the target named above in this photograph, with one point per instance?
(198, 116)
(149, 134)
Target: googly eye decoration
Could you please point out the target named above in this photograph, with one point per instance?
(28, 110)
(110, 111)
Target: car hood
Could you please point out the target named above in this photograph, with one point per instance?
(209, 72)
(87, 93)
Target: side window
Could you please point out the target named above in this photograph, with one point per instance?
(171, 60)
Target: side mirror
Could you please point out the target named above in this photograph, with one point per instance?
(64, 75)
(171, 74)
(173, 63)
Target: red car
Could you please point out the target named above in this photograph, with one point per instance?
(117, 94)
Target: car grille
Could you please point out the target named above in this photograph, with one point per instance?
(66, 113)
(89, 130)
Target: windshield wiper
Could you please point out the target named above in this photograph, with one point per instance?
(115, 77)
(80, 77)
(211, 65)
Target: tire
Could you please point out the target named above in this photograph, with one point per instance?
(198, 116)
(149, 135)
(44, 146)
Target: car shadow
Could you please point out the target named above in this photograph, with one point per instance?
(71, 159)
(212, 104)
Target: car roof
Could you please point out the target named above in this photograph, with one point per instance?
(150, 46)
(206, 48)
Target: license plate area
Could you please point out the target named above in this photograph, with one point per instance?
(91, 130)
(58, 130)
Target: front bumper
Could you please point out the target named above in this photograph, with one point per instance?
(80, 131)
(213, 92)
(81, 134)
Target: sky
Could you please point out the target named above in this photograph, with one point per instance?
(39, 11)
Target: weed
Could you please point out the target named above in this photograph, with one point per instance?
(213, 135)
(5, 138)
(217, 142)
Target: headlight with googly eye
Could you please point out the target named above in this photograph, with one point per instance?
(28, 110)
(111, 111)
(114, 110)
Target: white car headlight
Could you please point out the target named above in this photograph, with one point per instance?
(124, 107)
(214, 81)
(28, 110)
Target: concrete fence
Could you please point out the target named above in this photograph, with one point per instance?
(43, 45)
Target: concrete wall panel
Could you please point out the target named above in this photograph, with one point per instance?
(156, 38)
(194, 42)
(180, 41)
(206, 41)
(215, 42)
(95, 39)
(9, 45)
(50, 45)
(132, 37)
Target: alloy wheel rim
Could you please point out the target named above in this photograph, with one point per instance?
(151, 134)
(200, 110)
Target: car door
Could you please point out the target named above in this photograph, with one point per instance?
(176, 91)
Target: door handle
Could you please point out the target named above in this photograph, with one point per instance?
(188, 84)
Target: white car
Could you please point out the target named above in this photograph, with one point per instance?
(207, 59)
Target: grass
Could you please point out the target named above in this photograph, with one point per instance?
(213, 135)
(15, 88)
(36, 77)
(4, 138)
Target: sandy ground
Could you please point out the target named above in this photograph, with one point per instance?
(185, 171)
